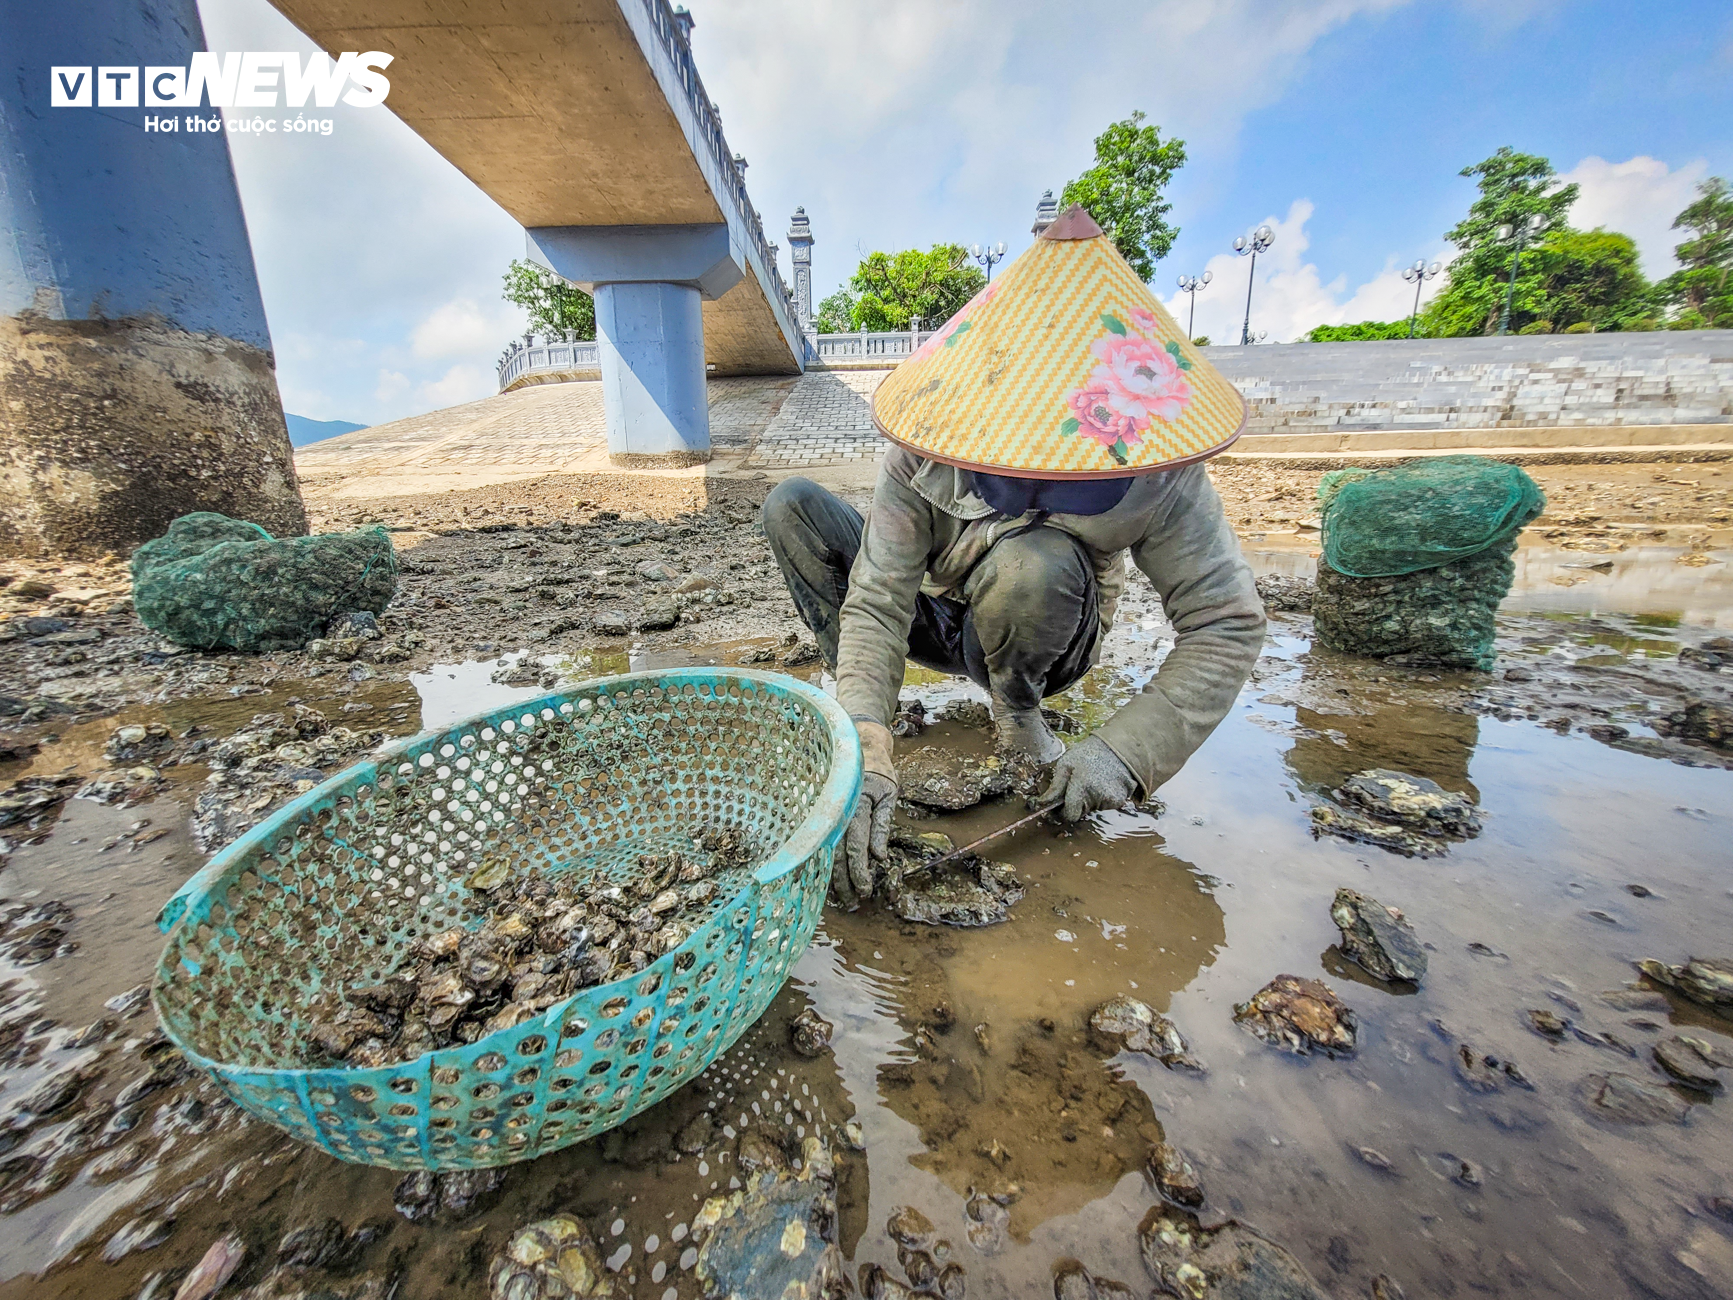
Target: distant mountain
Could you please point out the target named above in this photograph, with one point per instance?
(303, 431)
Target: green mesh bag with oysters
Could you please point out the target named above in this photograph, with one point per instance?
(212, 581)
(1417, 558)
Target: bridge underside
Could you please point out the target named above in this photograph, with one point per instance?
(566, 117)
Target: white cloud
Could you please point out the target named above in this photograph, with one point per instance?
(392, 385)
(1290, 295)
(462, 383)
(1639, 197)
(464, 327)
(368, 245)
(896, 124)
(905, 122)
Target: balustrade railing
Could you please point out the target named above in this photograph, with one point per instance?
(868, 347)
(547, 354)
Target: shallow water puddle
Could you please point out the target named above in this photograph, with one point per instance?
(964, 1059)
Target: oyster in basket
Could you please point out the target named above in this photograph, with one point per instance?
(541, 939)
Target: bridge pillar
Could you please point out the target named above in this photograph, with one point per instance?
(651, 338)
(136, 375)
(650, 283)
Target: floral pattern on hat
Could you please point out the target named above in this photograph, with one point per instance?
(1137, 380)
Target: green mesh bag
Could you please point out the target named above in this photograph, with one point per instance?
(212, 581)
(1383, 522)
(1442, 617)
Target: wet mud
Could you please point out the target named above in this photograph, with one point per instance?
(1538, 1117)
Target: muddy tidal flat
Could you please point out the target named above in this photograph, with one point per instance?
(1504, 1127)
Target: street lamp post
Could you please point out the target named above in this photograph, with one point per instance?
(1417, 275)
(1191, 284)
(987, 256)
(1518, 235)
(1260, 242)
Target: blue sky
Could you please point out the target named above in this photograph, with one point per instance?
(1341, 122)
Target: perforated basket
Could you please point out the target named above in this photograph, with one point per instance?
(375, 858)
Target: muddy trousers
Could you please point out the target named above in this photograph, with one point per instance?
(1025, 628)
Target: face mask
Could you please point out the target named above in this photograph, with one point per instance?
(1018, 496)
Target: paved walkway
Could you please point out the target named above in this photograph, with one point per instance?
(1308, 406)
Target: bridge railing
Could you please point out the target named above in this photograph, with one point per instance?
(674, 41)
(547, 354)
(866, 348)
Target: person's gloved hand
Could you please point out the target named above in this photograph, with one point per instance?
(1087, 777)
(866, 843)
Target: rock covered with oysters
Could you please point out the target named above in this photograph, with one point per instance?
(541, 939)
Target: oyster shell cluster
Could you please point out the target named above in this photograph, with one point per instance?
(540, 940)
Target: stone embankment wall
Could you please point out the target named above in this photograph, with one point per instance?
(1525, 381)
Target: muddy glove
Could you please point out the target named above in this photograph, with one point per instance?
(1088, 777)
(866, 843)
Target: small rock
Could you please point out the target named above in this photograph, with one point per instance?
(353, 624)
(944, 781)
(696, 1135)
(988, 1223)
(1622, 1099)
(1174, 1176)
(1299, 1015)
(755, 1152)
(1702, 979)
(659, 615)
(1378, 938)
(419, 1195)
(215, 1269)
(965, 892)
(656, 571)
(612, 623)
(776, 1237)
(314, 1246)
(984, 1039)
(809, 1034)
(1684, 1059)
(697, 582)
(876, 1284)
(1228, 1262)
(1699, 720)
(129, 1003)
(1288, 594)
(807, 652)
(1123, 1024)
(908, 1227)
(553, 1259)
(1379, 805)
(1071, 1281)
(1545, 1023)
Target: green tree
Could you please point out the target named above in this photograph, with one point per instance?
(1366, 329)
(891, 288)
(1513, 187)
(1125, 190)
(835, 314)
(1590, 277)
(555, 307)
(1702, 290)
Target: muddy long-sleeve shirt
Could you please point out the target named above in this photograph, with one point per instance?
(926, 531)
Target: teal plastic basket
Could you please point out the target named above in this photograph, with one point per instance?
(375, 858)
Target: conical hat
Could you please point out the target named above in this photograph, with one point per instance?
(1066, 366)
